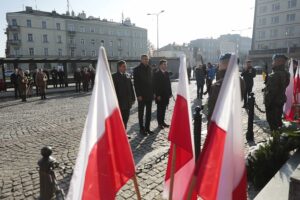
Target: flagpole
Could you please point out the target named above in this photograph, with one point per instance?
(136, 187)
(191, 187)
(172, 172)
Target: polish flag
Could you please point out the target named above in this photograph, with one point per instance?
(220, 171)
(289, 92)
(297, 85)
(181, 150)
(104, 163)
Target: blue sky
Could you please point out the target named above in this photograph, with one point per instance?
(181, 22)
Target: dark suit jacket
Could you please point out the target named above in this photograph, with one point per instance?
(143, 82)
(162, 87)
(124, 90)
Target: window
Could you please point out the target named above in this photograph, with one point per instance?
(276, 7)
(111, 43)
(83, 52)
(44, 25)
(59, 39)
(45, 39)
(102, 42)
(72, 52)
(58, 26)
(28, 22)
(274, 33)
(292, 3)
(45, 51)
(92, 29)
(17, 51)
(261, 34)
(15, 36)
(119, 53)
(290, 31)
(31, 51)
(93, 41)
(119, 43)
(93, 53)
(30, 37)
(262, 21)
(275, 20)
(82, 41)
(60, 52)
(14, 22)
(290, 17)
(82, 29)
(71, 27)
(72, 41)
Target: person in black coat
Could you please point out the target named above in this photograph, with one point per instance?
(124, 90)
(142, 75)
(14, 82)
(248, 74)
(77, 79)
(162, 92)
(54, 74)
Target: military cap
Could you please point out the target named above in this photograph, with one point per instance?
(276, 56)
(225, 56)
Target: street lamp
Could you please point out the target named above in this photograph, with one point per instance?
(157, 14)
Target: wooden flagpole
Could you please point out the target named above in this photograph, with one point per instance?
(191, 187)
(172, 172)
(136, 187)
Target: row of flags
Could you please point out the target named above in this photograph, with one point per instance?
(105, 162)
(292, 93)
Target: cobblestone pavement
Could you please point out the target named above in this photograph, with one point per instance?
(58, 122)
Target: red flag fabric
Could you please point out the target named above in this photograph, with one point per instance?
(104, 163)
(181, 137)
(290, 96)
(220, 171)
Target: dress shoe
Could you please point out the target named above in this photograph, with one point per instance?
(166, 125)
(149, 132)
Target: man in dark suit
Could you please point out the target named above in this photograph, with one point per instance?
(124, 90)
(143, 85)
(162, 92)
(248, 74)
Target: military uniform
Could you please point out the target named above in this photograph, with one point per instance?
(274, 96)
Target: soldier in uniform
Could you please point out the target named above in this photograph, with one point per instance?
(200, 73)
(124, 90)
(248, 74)
(274, 93)
(41, 82)
(215, 88)
(22, 84)
(162, 92)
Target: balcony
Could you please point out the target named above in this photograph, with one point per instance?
(13, 28)
(14, 42)
(71, 33)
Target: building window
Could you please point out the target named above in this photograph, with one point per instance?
(15, 36)
(261, 34)
(30, 37)
(119, 53)
(292, 3)
(102, 42)
(44, 25)
(275, 20)
(82, 29)
(59, 52)
(119, 43)
(28, 23)
(92, 41)
(276, 7)
(71, 27)
(72, 52)
(45, 51)
(14, 22)
(59, 39)
(290, 17)
(58, 26)
(31, 51)
(262, 21)
(111, 43)
(45, 39)
(82, 41)
(17, 51)
(274, 33)
(72, 41)
(92, 29)
(93, 53)
(290, 31)
(83, 53)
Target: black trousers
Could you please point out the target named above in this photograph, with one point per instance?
(274, 116)
(16, 88)
(161, 112)
(141, 109)
(247, 94)
(125, 116)
(208, 85)
(77, 86)
(200, 90)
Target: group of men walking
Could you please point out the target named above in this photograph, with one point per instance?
(148, 85)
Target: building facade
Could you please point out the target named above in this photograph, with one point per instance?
(276, 29)
(40, 34)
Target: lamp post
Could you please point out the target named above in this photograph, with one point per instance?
(157, 14)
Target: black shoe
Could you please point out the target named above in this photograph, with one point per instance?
(149, 132)
(166, 125)
(143, 132)
(128, 137)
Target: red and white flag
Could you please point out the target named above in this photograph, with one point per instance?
(289, 92)
(297, 85)
(181, 137)
(104, 163)
(220, 171)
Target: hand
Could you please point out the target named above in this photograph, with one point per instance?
(158, 98)
(140, 98)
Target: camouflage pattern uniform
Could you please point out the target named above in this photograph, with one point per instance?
(274, 96)
(214, 93)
